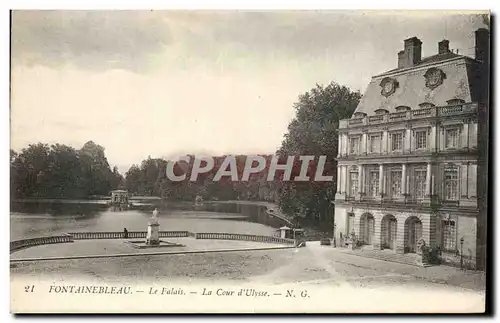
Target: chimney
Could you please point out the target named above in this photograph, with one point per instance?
(412, 53)
(413, 48)
(444, 47)
(482, 45)
(401, 59)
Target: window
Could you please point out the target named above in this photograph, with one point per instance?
(381, 111)
(396, 176)
(402, 108)
(354, 183)
(375, 143)
(397, 141)
(451, 138)
(451, 184)
(426, 105)
(421, 139)
(449, 235)
(374, 183)
(455, 102)
(420, 177)
(354, 145)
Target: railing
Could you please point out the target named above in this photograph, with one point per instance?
(376, 119)
(413, 114)
(70, 237)
(397, 116)
(434, 201)
(130, 235)
(244, 237)
(356, 121)
(425, 112)
(174, 234)
(25, 243)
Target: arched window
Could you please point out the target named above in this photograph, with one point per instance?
(381, 111)
(402, 108)
(359, 115)
(426, 105)
(455, 102)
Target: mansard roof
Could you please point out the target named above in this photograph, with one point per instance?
(410, 89)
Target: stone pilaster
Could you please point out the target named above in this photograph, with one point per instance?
(403, 179)
(338, 194)
(357, 219)
(340, 145)
(441, 139)
(464, 170)
(428, 180)
(360, 181)
(407, 139)
(433, 139)
(400, 234)
(464, 140)
(385, 141)
(381, 181)
(364, 143)
(377, 237)
(344, 179)
(473, 134)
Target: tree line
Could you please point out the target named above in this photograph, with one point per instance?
(150, 179)
(60, 171)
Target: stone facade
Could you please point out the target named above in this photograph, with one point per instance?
(409, 163)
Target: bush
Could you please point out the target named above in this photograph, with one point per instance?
(430, 255)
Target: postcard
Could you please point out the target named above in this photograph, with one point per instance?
(273, 161)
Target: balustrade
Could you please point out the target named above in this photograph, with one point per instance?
(413, 114)
(70, 237)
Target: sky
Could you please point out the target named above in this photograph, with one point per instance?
(167, 83)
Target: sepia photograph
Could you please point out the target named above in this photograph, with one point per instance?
(249, 161)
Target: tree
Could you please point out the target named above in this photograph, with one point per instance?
(133, 179)
(313, 131)
(117, 179)
(60, 171)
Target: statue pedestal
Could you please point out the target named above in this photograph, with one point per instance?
(153, 236)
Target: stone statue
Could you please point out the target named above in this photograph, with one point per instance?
(153, 237)
(420, 246)
(154, 218)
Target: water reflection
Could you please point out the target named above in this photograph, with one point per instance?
(57, 217)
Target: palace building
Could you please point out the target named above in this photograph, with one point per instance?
(412, 160)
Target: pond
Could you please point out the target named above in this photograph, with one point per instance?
(45, 218)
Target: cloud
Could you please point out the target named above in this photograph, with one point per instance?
(141, 41)
(88, 39)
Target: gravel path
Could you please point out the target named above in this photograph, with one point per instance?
(313, 264)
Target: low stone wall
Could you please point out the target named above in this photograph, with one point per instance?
(244, 237)
(25, 243)
(70, 237)
(121, 235)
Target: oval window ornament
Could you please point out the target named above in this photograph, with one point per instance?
(434, 77)
(389, 86)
